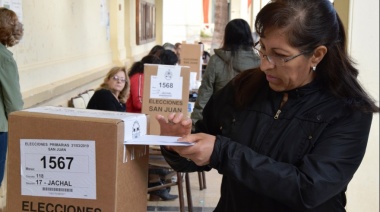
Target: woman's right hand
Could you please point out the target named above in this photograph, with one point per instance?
(200, 152)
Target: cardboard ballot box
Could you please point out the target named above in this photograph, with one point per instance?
(166, 90)
(71, 160)
(191, 56)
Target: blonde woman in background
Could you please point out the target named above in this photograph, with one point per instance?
(112, 93)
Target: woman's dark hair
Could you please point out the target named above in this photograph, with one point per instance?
(157, 50)
(237, 35)
(247, 85)
(11, 30)
(138, 67)
(168, 57)
(313, 23)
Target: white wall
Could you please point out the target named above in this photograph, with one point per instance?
(182, 20)
(363, 191)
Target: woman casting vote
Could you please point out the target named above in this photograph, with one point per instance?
(290, 135)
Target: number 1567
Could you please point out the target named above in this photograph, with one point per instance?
(57, 162)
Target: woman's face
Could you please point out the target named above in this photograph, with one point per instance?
(284, 76)
(117, 82)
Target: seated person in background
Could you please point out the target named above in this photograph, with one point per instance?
(136, 76)
(156, 176)
(168, 57)
(178, 47)
(156, 50)
(169, 46)
(112, 93)
(205, 55)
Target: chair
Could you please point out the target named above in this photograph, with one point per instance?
(86, 97)
(91, 92)
(202, 180)
(78, 102)
(156, 162)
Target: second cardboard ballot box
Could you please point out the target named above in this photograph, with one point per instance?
(64, 159)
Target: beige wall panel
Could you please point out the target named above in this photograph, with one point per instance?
(62, 39)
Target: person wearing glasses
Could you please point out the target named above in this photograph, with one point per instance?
(11, 32)
(112, 93)
(290, 135)
(235, 56)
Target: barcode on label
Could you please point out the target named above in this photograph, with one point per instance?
(57, 189)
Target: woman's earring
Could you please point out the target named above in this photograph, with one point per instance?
(314, 68)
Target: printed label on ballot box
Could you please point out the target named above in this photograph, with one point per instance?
(58, 168)
(167, 84)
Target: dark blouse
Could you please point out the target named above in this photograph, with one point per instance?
(104, 100)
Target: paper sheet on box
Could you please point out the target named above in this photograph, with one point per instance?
(158, 140)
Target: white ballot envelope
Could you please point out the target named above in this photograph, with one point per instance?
(157, 140)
